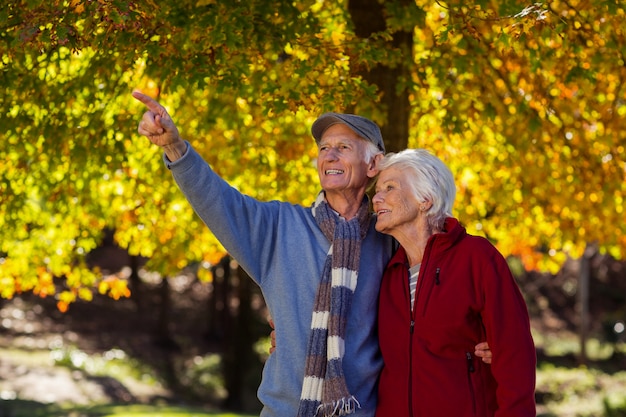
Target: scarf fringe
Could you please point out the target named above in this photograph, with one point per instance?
(341, 407)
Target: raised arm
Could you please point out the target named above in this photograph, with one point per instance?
(157, 125)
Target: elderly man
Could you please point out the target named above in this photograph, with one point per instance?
(319, 267)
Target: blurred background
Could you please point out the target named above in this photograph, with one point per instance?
(116, 300)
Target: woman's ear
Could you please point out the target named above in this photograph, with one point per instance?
(373, 167)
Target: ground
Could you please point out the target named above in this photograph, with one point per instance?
(109, 348)
(92, 338)
(32, 342)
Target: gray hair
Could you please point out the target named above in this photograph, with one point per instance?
(371, 151)
(431, 180)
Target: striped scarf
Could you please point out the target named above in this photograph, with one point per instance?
(324, 390)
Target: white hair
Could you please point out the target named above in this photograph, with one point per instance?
(371, 150)
(431, 180)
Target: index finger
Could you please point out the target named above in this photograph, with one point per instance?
(150, 103)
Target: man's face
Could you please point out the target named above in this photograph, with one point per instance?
(341, 163)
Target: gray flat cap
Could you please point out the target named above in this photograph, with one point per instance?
(362, 126)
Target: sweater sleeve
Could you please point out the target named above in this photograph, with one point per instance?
(507, 325)
(243, 225)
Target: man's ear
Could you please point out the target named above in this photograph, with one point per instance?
(372, 170)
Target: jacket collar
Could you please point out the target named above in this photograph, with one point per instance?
(453, 232)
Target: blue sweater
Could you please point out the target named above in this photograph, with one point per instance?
(281, 247)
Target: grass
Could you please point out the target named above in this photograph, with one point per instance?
(580, 392)
(564, 389)
(114, 363)
(572, 390)
(20, 408)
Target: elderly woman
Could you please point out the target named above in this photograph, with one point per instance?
(443, 292)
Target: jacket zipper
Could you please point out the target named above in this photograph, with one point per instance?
(425, 268)
(470, 370)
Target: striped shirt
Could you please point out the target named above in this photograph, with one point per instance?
(414, 272)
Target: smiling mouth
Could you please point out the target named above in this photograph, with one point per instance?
(379, 212)
(333, 172)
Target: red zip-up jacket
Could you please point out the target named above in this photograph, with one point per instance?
(465, 294)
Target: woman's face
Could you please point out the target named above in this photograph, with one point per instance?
(395, 203)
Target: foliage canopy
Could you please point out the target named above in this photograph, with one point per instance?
(524, 101)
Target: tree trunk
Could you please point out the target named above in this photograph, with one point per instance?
(583, 301)
(135, 282)
(217, 300)
(368, 18)
(238, 358)
(163, 334)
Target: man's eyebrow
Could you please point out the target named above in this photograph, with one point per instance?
(338, 141)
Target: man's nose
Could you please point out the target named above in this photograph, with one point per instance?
(331, 153)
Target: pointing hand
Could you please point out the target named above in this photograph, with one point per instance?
(157, 125)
